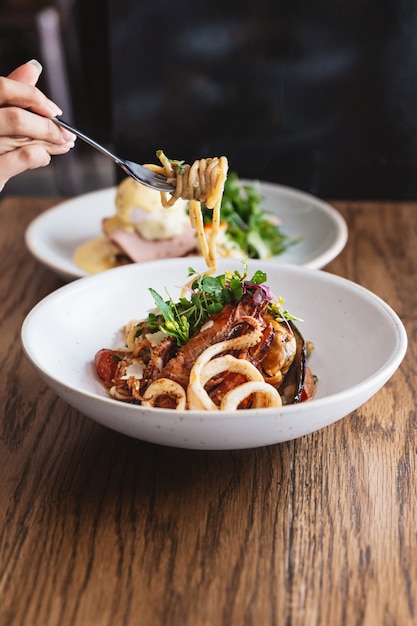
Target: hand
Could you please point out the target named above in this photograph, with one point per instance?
(27, 141)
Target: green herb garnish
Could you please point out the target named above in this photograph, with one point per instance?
(253, 230)
(175, 324)
(179, 164)
(208, 295)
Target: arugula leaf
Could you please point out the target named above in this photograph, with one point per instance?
(175, 324)
(208, 295)
(255, 232)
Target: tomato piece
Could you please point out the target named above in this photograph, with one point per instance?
(106, 364)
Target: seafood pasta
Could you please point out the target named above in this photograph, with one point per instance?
(229, 345)
(201, 182)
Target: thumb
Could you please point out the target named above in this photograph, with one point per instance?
(27, 73)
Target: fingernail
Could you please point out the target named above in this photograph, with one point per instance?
(53, 108)
(36, 64)
(67, 135)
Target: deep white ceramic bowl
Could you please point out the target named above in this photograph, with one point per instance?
(359, 343)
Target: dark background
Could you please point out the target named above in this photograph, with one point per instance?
(319, 95)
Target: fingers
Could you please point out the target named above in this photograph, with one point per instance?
(27, 137)
(16, 122)
(22, 159)
(7, 144)
(15, 93)
(27, 73)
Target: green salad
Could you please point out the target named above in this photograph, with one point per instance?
(256, 233)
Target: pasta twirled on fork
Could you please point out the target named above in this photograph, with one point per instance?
(201, 182)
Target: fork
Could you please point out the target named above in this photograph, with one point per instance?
(140, 173)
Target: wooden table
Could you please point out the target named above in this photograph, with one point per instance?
(99, 529)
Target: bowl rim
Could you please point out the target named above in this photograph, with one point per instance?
(365, 387)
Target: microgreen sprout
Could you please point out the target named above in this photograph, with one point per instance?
(208, 295)
(276, 308)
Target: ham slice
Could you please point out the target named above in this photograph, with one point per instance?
(138, 249)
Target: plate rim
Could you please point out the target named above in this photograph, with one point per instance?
(319, 261)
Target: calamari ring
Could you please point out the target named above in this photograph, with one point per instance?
(197, 396)
(265, 396)
(237, 343)
(230, 363)
(165, 387)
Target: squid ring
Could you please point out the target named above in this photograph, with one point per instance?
(165, 387)
(264, 396)
(198, 397)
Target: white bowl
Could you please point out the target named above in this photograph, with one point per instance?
(359, 343)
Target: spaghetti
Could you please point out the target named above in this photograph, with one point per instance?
(201, 182)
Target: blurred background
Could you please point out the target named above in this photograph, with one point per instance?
(320, 95)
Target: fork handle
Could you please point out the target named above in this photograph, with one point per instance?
(85, 138)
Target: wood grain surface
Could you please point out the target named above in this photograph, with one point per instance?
(97, 529)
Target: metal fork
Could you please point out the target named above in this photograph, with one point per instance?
(138, 172)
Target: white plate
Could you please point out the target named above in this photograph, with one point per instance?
(64, 331)
(54, 235)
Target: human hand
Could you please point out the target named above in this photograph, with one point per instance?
(27, 140)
